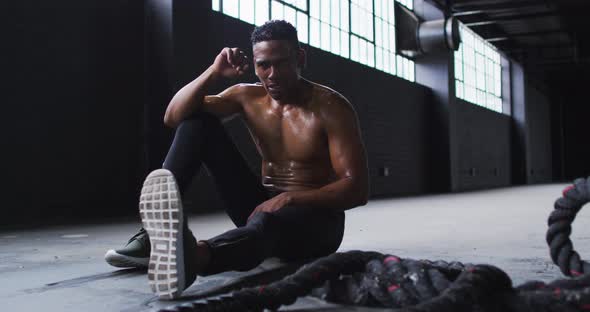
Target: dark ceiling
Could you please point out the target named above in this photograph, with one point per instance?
(551, 38)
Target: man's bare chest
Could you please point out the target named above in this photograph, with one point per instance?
(289, 134)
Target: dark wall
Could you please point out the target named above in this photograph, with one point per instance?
(72, 91)
(532, 158)
(519, 126)
(574, 113)
(539, 162)
(483, 147)
(399, 137)
(159, 80)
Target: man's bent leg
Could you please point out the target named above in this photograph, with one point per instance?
(201, 139)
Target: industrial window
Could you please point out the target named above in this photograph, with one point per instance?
(360, 30)
(385, 57)
(478, 71)
(329, 26)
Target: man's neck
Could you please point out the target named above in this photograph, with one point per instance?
(296, 96)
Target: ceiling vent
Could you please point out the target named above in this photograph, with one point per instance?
(415, 37)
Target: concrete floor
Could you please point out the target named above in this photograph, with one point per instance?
(62, 268)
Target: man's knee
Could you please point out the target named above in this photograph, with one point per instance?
(264, 223)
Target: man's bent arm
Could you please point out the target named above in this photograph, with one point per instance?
(343, 194)
(229, 63)
(189, 99)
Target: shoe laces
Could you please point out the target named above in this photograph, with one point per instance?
(141, 236)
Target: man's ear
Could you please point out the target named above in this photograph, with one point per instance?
(301, 58)
(254, 65)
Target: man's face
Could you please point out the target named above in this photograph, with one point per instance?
(277, 65)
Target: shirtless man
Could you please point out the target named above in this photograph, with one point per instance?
(313, 167)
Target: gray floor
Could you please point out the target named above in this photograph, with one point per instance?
(62, 269)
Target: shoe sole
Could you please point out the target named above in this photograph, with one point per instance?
(116, 259)
(160, 208)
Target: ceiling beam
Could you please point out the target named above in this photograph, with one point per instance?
(496, 39)
(482, 23)
(550, 47)
(526, 34)
(506, 18)
(487, 5)
(558, 61)
(497, 11)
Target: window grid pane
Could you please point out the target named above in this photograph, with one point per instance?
(276, 10)
(335, 40)
(314, 8)
(344, 15)
(247, 11)
(362, 18)
(302, 31)
(325, 35)
(344, 40)
(261, 12)
(335, 13)
(325, 11)
(231, 8)
(314, 31)
(354, 48)
(390, 64)
(290, 15)
(300, 4)
(478, 71)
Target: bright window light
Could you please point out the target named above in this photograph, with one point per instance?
(478, 71)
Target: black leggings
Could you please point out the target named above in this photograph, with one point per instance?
(291, 233)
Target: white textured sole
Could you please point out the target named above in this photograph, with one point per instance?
(122, 261)
(160, 208)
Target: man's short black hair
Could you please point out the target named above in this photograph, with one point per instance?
(275, 30)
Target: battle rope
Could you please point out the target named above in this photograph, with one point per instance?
(378, 280)
(560, 221)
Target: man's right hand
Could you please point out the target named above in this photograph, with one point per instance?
(231, 63)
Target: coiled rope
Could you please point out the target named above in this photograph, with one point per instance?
(378, 280)
(560, 228)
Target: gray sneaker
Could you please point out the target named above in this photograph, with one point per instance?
(173, 246)
(136, 254)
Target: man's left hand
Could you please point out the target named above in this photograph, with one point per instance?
(273, 204)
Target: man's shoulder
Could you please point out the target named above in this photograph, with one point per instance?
(245, 92)
(331, 105)
(247, 87)
(328, 95)
(329, 98)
